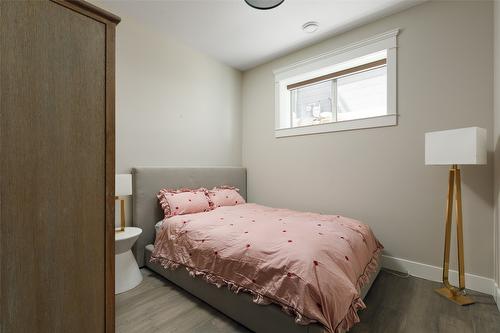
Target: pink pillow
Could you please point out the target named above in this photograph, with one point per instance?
(225, 196)
(183, 201)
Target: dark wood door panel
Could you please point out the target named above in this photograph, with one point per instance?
(52, 203)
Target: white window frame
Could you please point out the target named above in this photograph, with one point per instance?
(323, 64)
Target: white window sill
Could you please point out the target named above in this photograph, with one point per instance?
(382, 121)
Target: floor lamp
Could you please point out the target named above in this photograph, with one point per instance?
(455, 147)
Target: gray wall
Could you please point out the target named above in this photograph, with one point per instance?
(445, 80)
(175, 106)
(497, 140)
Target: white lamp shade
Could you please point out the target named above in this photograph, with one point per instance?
(123, 185)
(457, 146)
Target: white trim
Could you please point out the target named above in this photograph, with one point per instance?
(434, 273)
(387, 40)
(382, 121)
(496, 296)
(392, 81)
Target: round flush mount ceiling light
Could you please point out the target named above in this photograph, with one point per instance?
(310, 27)
(264, 4)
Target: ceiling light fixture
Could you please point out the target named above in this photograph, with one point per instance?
(310, 27)
(264, 4)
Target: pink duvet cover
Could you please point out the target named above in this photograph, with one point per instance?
(312, 265)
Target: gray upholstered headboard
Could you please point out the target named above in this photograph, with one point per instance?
(148, 181)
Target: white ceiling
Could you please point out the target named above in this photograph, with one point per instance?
(243, 37)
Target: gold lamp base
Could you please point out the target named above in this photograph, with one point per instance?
(454, 296)
(450, 292)
(122, 215)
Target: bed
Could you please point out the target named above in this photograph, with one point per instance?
(147, 181)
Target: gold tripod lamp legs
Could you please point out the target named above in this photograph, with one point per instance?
(454, 294)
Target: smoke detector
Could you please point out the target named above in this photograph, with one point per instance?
(310, 27)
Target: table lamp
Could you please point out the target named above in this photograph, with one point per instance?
(123, 187)
(454, 147)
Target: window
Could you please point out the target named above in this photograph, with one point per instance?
(312, 104)
(351, 88)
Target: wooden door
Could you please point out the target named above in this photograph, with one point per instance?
(56, 135)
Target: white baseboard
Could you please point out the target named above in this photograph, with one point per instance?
(434, 273)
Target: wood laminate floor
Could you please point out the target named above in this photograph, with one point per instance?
(394, 304)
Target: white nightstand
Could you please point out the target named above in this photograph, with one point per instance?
(127, 273)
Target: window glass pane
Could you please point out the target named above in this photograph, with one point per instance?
(362, 95)
(312, 104)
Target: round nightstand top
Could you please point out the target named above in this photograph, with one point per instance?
(129, 232)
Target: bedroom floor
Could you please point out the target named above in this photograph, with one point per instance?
(394, 304)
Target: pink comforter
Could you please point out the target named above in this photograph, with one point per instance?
(310, 264)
